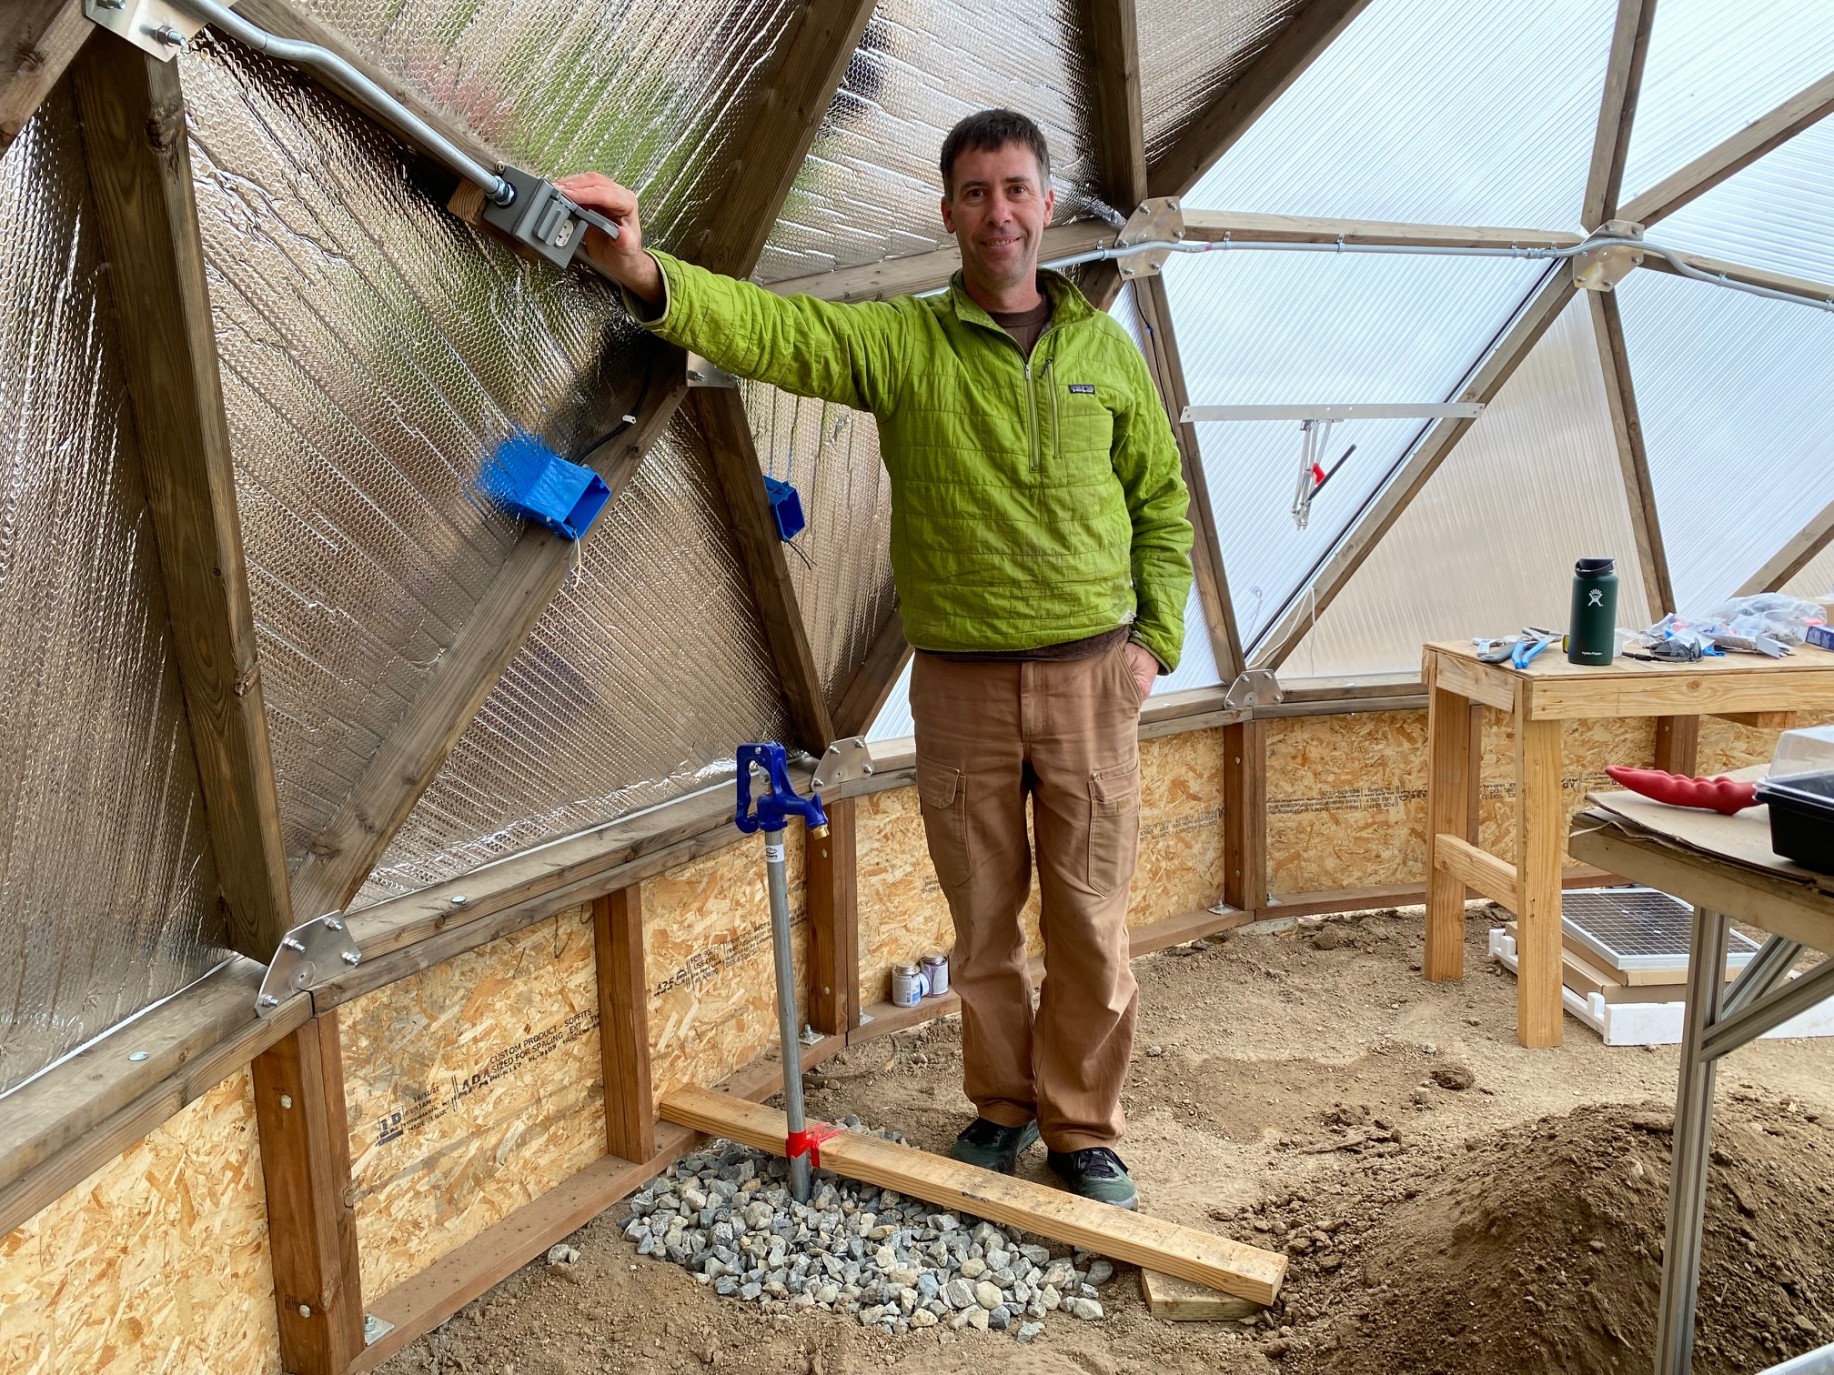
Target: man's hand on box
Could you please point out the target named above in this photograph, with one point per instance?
(622, 258)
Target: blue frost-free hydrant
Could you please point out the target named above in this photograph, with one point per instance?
(770, 812)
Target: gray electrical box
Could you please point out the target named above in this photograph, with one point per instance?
(543, 218)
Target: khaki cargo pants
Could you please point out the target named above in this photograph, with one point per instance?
(1067, 735)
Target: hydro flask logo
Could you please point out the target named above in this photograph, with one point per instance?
(1595, 597)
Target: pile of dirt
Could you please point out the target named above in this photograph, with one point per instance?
(1540, 1248)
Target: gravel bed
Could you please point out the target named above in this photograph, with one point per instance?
(899, 1264)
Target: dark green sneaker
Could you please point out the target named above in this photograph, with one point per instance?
(1096, 1173)
(992, 1146)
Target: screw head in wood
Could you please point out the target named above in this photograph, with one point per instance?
(305, 1310)
(286, 1100)
(137, 1056)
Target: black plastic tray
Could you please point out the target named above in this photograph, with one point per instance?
(1802, 818)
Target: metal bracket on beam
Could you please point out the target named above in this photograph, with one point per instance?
(153, 26)
(1603, 267)
(701, 373)
(309, 954)
(843, 762)
(1159, 220)
(1256, 688)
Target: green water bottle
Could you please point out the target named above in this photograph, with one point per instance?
(1592, 629)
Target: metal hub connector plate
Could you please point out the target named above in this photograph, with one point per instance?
(309, 954)
(1256, 688)
(1159, 220)
(153, 26)
(1603, 267)
(843, 762)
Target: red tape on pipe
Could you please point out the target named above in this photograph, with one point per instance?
(809, 1142)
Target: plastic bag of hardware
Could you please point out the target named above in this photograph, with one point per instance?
(1782, 618)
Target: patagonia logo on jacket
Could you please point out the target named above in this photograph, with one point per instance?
(1082, 389)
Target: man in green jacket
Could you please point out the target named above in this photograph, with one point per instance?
(1041, 552)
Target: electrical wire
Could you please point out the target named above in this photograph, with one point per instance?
(593, 446)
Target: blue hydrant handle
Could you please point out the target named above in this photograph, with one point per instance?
(781, 800)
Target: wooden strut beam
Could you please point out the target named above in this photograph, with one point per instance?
(1242, 227)
(132, 114)
(1757, 138)
(832, 884)
(1118, 142)
(1203, 1257)
(1633, 458)
(311, 1208)
(1743, 272)
(1617, 110)
(811, 62)
(873, 681)
(1206, 550)
(1411, 474)
(1803, 548)
(39, 39)
(624, 1029)
(1219, 126)
(727, 430)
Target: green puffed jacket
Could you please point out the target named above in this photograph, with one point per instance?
(1032, 502)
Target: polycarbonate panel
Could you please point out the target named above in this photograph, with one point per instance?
(1733, 393)
(1776, 213)
(1488, 545)
(840, 565)
(894, 719)
(1191, 53)
(1298, 328)
(651, 92)
(375, 351)
(1432, 110)
(870, 188)
(109, 888)
(1816, 578)
(635, 687)
(1712, 68)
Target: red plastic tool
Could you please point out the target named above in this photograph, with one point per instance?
(1720, 794)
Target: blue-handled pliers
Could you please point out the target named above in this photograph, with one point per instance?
(1531, 644)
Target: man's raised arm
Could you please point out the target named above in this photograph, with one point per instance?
(841, 353)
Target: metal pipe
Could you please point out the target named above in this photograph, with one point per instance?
(1761, 975)
(367, 92)
(787, 1029)
(1756, 1018)
(1674, 260)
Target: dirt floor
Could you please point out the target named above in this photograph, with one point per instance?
(1451, 1202)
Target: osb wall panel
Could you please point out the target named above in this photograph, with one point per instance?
(707, 961)
(902, 911)
(1181, 827)
(473, 1088)
(1725, 745)
(1585, 748)
(156, 1263)
(1346, 801)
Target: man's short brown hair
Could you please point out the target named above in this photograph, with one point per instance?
(988, 130)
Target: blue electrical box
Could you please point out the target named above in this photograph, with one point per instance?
(538, 484)
(786, 507)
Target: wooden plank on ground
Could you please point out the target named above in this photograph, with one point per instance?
(38, 40)
(311, 1208)
(1136, 1238)
(1176, 1300)
(624, 1029)
(832, 880)
(132, 114)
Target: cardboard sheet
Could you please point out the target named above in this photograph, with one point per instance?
(1742, 839)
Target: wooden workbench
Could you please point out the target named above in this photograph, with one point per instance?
(1723, 865)
(1551, 690)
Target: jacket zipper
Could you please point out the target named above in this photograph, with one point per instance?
(1056, 419)
(1031, 412)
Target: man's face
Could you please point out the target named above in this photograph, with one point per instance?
(998, 213)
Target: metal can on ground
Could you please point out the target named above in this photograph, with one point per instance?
(936, 974)
(908, 985)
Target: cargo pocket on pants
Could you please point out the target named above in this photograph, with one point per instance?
(1114, 827)
(944, 804)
